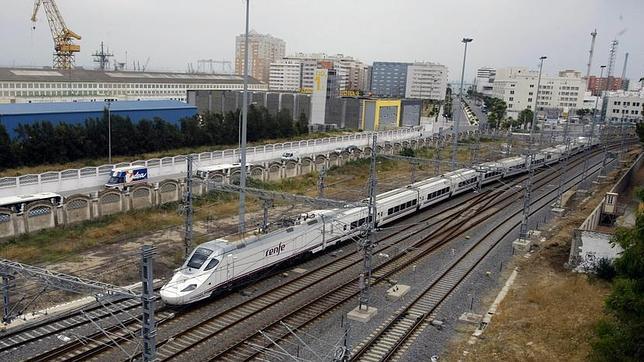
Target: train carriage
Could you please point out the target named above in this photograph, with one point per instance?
(512, 165)
(432, 191)
(395, 204)
(462, 180)
(490, 172)
(219, 263)
(553, 154)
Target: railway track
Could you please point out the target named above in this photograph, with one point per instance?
(98, 342)
(390, 340)
(218, 325)
(249, 347)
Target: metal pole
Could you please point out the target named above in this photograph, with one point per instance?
(148, 330)
(529, 159)
(242, 175)
(369, 240)
(592, 133)
(563, 166)
(437, 154)
(321, 185)
(455, 131)
(109, 132)
(187, 238)
(6, 285)
(603, 171)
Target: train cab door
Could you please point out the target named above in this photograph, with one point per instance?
(229, 267)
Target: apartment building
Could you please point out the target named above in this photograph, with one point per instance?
(426, 81)
(624, 106)
(351, 74)
(517, 87)
(263, 49)
(285, 75)
(484, 80)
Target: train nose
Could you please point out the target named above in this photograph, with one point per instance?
(171, 295)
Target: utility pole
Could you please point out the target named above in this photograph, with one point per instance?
(148, 330)
(529, 159)
(242, 161)
(321, 185)
(592, 133)
(563, 166)
(455, 130)
(437, 153)
(109, 131)
(187, 207)
(368, 241)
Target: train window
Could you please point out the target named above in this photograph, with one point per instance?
(408, 204)
(314, 221)
(198, 258)
(414, 202)
(344, 228)
(397, 208)
(213, 263)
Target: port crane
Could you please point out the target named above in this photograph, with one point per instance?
(63, 37)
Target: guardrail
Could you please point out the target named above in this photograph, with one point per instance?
(72, 180)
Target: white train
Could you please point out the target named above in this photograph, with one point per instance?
(220, 264)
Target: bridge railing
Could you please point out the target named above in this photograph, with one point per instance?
(88, 177)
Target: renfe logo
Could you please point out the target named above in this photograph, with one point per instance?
(276, 250)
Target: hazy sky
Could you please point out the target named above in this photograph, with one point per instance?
(506, 32)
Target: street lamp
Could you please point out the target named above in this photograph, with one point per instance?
(455, 131)
(109, 132)
(536, 97)
(242, 161)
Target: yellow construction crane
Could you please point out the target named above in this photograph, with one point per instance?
(63, 37)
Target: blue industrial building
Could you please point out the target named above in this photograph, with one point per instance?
(11, 115)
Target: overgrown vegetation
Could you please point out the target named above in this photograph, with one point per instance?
(620, 336)
(47, 143)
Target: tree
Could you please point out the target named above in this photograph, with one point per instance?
(302, 125)
(525, 117)
(621, 336)
(6, 154)
(640, 130)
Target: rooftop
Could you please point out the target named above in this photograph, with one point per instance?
(70, 107)
(85, 75)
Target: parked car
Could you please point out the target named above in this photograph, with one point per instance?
(289, 156)
(351, 148)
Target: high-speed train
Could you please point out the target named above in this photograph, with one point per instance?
(220, 264)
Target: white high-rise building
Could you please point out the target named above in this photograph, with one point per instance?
(484, 81)
(285, 75)
(351, 73)
(624, 106)
(263, 49)
(517, 87)
(426, 81)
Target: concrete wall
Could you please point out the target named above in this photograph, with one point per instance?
(588, 245)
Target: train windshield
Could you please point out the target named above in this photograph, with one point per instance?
(198, 258)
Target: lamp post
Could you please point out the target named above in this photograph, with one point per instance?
(109, 132)
(593, 124)
(242, 173)
(460, 94)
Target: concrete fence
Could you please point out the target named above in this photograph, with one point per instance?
(81, 207)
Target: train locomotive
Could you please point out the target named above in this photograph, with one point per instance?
(219, 264)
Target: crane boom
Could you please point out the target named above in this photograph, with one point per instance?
(63, 37)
